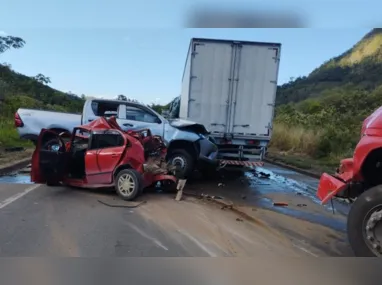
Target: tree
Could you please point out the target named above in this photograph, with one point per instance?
(122, 97)
(42, 79)
(7, 42)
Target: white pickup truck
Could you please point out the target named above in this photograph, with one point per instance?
(189, 144)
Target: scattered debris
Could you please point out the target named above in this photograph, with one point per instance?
(280, 204)
(180, 187)
(301, 205)
(119, 205)
(230, 207)
(261, 174)
(239, 220)
(221, 185)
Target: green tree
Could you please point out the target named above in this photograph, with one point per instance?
(7, 42)
(42, 79)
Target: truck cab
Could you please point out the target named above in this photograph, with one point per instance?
(359, 180)
(189, 144)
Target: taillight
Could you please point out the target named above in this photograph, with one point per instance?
(18, 122)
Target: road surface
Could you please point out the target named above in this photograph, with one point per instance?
(36, 220)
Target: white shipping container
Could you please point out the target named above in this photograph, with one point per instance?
(230, 87)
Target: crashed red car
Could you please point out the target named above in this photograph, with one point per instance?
(101, 154)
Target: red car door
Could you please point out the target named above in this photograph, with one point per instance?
(49, 158)
(105, 152)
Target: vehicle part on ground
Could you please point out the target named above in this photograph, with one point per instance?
(101, 154)
(359, 181)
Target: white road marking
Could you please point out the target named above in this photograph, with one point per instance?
(13, 198)
(198, 243)
(305, 250)
(142, 233)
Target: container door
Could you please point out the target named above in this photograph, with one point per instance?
(210, 88)
(254, 90)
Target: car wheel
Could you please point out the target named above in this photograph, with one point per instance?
(128, 184)
(364, 225)
(53, 183)
(183, 162)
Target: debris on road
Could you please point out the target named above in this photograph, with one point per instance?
(301, 205)
(239, 220)
(180, 187)
(221, 185)
(261, 174)
(280, 204)
(123, 204)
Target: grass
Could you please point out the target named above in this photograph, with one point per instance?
(297, 146)
(9, 136)
(294, 139)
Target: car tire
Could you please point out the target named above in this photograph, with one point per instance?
(53, 183)
(361, 210)
(185, 162)
(132, 187)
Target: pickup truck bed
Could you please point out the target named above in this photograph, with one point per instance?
(29, 122)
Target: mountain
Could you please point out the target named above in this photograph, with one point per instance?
(358, 68)
(321, 114)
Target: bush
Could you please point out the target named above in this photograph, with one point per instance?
(294, 139)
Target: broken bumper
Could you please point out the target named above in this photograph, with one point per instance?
(329, 186)
(208, 151)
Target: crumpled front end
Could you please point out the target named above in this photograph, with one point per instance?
(334, 185)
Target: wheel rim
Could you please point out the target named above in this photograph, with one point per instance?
(126, 185)
(179, 162)
(373, 230)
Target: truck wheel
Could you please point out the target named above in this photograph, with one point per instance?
(128, 184)
(183, 161)
(364, 225)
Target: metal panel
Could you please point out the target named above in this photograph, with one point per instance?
(254, 91)
(185, 92)
(211, 75)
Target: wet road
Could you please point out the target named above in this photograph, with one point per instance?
(41, 221)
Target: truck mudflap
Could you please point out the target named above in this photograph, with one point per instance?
(329, 186)
(224, 162)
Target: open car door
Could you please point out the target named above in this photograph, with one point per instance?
(48, 159)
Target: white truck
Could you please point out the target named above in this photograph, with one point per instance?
(230, 87)
(189, 145)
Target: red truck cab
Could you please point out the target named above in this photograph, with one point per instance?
(359, 179)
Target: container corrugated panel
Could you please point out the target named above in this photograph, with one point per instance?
(256, 89)
(231, 86)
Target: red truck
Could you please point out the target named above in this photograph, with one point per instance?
(359, 179)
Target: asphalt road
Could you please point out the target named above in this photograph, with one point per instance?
(36, 220)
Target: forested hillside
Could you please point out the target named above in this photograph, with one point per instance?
(320, 115)
(18, 90)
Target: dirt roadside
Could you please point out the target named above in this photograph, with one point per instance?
(13, 160)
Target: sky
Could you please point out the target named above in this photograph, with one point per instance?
(139, 48)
